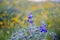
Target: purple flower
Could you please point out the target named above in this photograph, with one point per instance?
(30, 16)
(42, 29)
(30, 21)
(55, 36)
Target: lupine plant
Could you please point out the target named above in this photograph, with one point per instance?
(30, 18)
(33, 32)
(10, 11)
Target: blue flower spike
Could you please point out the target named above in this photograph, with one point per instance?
(30, 15)
(43, 28)
(30, 18)
(55, 36)
(30, 21)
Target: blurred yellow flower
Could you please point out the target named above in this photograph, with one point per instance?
(19, 15)
(1, 23)
(8, 27)
(25, 18)
(33, 8)
(21, 23)
(4, 14)
(45, 6)
(46, 17)
(48, 5)
(14, 3)
(38, 16)
(49, 21)
(35, 19)
(42, 13)
(47, 12)
(16, 19)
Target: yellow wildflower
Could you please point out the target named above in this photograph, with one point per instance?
(4, 14)
(33, 8)
(19, 15)
(8, 26)
(46, 17)
(45, 6)
(21, 23)
(15, 19)
(42, 13)
(50, 5)
(1, 23)
(47, 12)
(25, 18)
(38, 15)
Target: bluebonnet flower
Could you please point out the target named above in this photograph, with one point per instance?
(30, 18)
(43, 28)
(30, 21)
(55, 36)
(30, 15)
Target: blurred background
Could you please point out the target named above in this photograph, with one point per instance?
(14, 13)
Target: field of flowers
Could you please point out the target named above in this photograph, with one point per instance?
(25, 20)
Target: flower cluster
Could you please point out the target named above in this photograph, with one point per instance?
(33, 32)
(55, 37)
(30, 18)
(43, 28)
(13, 13)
